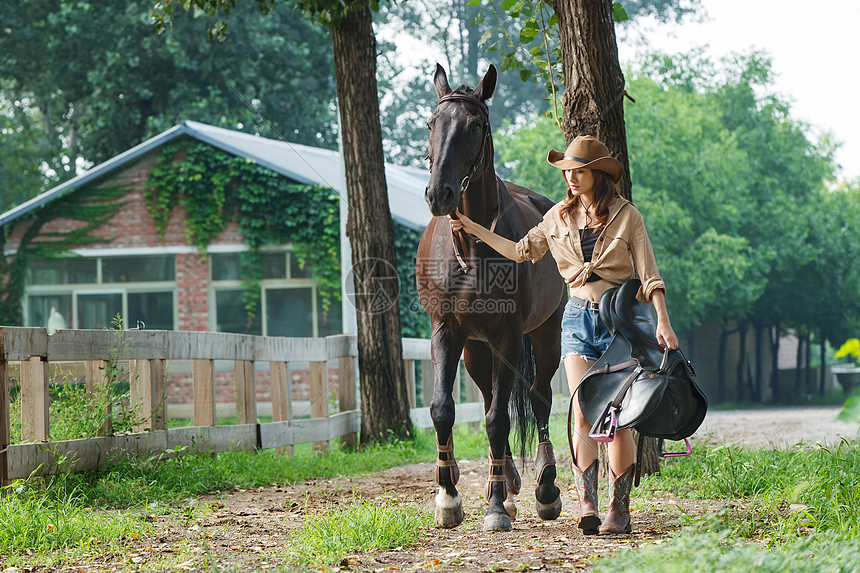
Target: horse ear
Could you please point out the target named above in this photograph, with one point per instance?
(485, 89)
(441, 81)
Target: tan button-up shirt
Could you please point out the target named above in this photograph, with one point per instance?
(622, 249)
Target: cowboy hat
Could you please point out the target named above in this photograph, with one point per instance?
(586, 152)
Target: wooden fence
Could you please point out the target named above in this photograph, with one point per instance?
(146, 353)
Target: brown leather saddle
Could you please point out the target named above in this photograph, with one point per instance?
(637, 383)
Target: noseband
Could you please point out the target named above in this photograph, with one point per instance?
(461, 258)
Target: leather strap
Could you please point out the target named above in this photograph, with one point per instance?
(498, 478)
(461, 258)
(449, 463)
(589, 304)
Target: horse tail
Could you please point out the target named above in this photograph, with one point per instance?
(521, 404)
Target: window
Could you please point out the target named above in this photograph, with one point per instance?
(90, 292)
(289, 311)
(98, 310)
(289, 302)
(231, 314)
(62, 271)
(138, 269)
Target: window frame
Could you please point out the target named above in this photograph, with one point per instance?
(99, 287)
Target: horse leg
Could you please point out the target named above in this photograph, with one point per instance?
(445, 350)
(507, 353)
(547, 349)
(478, 358)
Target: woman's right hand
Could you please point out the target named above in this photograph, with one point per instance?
(462, 222)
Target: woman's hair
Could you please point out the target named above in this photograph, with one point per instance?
(604, 194)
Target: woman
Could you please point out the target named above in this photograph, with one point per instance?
(598, 241)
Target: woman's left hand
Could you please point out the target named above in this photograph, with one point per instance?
(666, 336)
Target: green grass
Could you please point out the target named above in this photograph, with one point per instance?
(68, 509)
(796, 490)
(361, 527)
(795, 509)
(32, 521)
(691, 551)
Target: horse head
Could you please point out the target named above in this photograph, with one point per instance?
(460, 140)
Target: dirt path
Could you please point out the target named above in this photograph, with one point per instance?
(248, 530)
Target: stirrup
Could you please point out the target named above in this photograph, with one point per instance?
(663, 454)
(604, 428)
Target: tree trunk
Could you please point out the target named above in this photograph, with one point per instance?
(721, 365)
(773, 336)
(798, 366)
(740, 371)
(822, 368)
(808, 360)
(593, 99)
(384, 402)
(758, 395)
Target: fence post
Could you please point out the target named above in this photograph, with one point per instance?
(97, 383)
(319, 396)
(146, 394)
(246, 392)
(409, 371)
(5, 436)
(140, 394)
(159, 395)
(346, 394)
(204, 392)
(35, 400)
(282, 409)
(426, 382)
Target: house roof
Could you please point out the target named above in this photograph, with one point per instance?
(298, 162)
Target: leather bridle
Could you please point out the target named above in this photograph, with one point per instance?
(464, 184)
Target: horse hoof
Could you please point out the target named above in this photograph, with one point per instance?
(497, 522)
(449, 511)
(548, 511)
(511, 508)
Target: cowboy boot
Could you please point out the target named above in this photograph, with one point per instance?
(586, 489)
(618, 517)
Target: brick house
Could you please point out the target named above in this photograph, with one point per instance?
(166, 283)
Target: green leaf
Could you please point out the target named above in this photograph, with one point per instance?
(473, 3)
(485, 37)
(525, 74)
(527, 35)
(508, 4)
(619, 14)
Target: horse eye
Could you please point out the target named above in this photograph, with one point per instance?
(476, 127)
(429, 127)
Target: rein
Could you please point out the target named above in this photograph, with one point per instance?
(467, 180)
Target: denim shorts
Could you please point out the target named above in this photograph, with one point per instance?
(583, 332)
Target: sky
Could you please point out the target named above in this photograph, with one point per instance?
(815, 50)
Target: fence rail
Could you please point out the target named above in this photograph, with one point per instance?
(145, 352)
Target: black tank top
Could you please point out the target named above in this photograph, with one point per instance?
(587, 239)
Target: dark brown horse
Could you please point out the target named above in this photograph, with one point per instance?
(503, 316)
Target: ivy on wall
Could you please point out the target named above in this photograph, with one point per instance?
(414, 322)
(90, 206)
(214, 187)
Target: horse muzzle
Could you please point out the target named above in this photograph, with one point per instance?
(442, 199)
